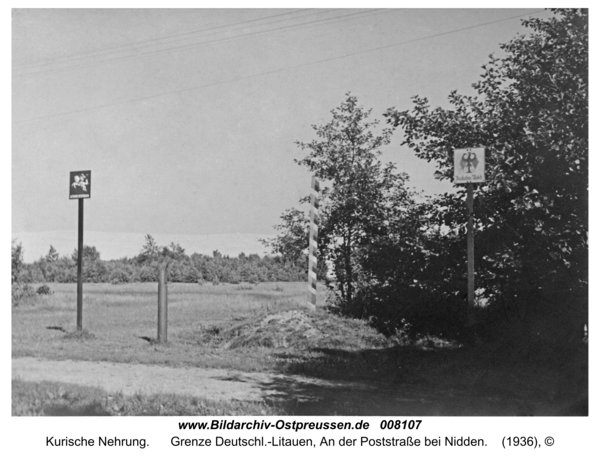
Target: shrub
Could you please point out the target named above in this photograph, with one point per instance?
(19, 288)
(20, 292)
(44, 289)
(148, 274)
(254, 279)
(118, 276)
(245, 287)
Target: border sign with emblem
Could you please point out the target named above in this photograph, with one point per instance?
(469, 168)
(80, 184)
(469, 165)
(80, 188)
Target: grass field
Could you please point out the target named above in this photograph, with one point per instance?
(122, 319)
(257, 328)
(63, 399)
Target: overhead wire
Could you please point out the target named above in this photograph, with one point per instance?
(215, 41)
(134, 45)
(293, 67)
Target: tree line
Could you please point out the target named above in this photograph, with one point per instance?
(182, 268)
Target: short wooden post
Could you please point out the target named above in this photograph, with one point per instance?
(162, 304)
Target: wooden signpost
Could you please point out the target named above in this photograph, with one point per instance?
(80, 188)
(469, 168)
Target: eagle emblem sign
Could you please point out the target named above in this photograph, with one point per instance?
(469, 165)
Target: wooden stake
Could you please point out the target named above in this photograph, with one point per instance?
(162, 304)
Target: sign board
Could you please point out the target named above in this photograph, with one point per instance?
(469, 165)
(80, 185)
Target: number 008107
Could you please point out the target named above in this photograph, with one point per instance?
(400, 424)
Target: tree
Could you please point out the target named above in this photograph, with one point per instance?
(531, 114)
(94, 270)
(292, 241)
(16, 250)
(21, 289)
(174, 251)
(90, 254)
(52, 255)
(150, 251)
(359, 198)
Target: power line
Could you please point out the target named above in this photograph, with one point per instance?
(216, 41)
(135, 44)
(293, 67)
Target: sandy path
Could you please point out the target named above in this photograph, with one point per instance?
(216, 384)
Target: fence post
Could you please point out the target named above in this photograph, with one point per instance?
(162, 304)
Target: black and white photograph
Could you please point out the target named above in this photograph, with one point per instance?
(299, 212)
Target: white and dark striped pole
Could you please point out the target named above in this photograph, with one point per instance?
(312, 244)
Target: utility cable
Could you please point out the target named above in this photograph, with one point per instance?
(136, 44)
(82, 110)
(215, 41)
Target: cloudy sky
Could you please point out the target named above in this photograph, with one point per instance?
(187, 118)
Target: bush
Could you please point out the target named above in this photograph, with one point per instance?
(21, 292)
(148, 274)
(44, 289)
(118, 276)
(414, 311)
(20, 289)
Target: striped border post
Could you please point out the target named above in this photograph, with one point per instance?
(312, 244)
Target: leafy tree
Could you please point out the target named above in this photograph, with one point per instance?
(16, 261)
(94, 269)
(360, 195)
(531, 114)
(52, 255)
(90, 254)
(291, 243)
(148, 274)
(174, 251)
(118, 275)
(150, 251)
(21, 289)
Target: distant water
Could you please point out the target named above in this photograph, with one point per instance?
(115, 245)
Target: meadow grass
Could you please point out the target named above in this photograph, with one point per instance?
(65, 399)
(121, 323)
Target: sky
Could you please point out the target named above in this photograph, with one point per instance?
(187, 118)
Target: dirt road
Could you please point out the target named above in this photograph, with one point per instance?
(309, 396)
(215, 384)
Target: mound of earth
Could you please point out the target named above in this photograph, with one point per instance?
(299, 329)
